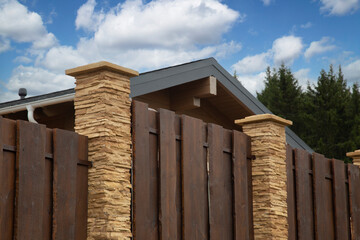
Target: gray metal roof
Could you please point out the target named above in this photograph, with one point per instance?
(37, 98)
(168, 77)
(171, 76)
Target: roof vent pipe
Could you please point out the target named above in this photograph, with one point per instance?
(22, 93)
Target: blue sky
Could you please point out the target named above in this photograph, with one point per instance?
(39, 39)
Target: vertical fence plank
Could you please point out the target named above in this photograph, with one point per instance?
(30, 167)
(168, 175)
(291, 202)
(304, 195)
(64, 185)
(319, 196)
(82, 191)
(220, 186)
(242, 193)
(354, 191)
(194, 180)
(7, 182)
(48, 190)
(340, 200)
(145, 204)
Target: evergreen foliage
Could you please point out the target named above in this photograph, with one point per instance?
(326, 115)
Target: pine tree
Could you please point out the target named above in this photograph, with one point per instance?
(282, 94)
(328, 107)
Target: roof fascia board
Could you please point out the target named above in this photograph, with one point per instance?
(38, 103)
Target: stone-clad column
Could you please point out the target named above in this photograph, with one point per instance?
(103, 113)
(268, 144)
(355, 156)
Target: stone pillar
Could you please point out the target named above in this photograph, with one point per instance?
(103, 113)
(268, 144)
(355, 156)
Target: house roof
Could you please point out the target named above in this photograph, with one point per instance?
(153, 81)
(172, 76)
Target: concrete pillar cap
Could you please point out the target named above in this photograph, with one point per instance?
(263, 118)
(103, 65)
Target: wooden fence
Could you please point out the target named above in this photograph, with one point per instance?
(323, 197)
(43, 182)
(191, 180)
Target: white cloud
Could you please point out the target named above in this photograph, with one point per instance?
(138, 34)
(22, 59)
(266, 2)
(251, 64)
(148, 35)
(339, 7)
(286, 49)
(21, 25)
(86, 17)
(38, 80)
(4, 44)
(163, 23)
(303, 78)
(59, 58)
(253, 83)
(306, 25)
(352, 71)
(318, 47)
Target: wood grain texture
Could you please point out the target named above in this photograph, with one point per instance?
(82, 190)
(291, 198)
(64, 185)
(243, 224)
(340, 200)
(194, 180)
(168, 176)
(319, 196)
(30, 167)
(304, 195)
(145, 193)
(7, 181)
(220, 186)
(354, 186)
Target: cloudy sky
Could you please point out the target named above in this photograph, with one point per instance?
(39, 39)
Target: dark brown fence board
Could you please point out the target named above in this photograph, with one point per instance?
(304, 195)
(194, 180)
(354, 191)
(48, 204)
(291, 198)
(81, 190)
(319, 196)
(168, 175)
(7, 181)
(64, 184)
(242, 200)
(30, 168)
(340, 200)
(220, 186)
(145, 204)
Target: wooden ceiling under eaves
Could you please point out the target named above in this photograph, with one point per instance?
(206, 99)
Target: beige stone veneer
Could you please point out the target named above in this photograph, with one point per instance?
(102, 112)
(355, 156)
(268, 144)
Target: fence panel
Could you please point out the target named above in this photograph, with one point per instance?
(354, 190)
(191, 180)
(325, 197)
(340, 200)
(304, 195)
(221, 219)
(168, 172)
(39, 199)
